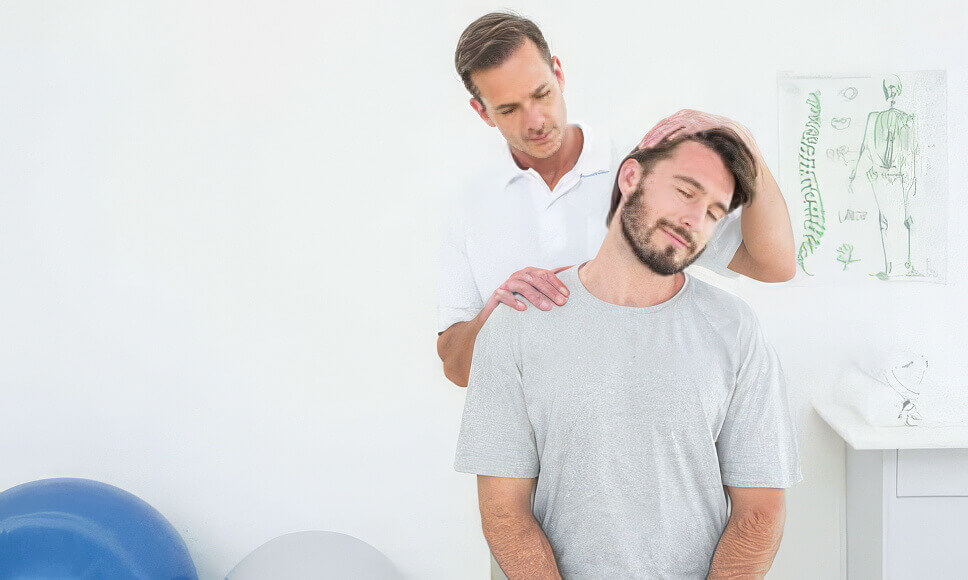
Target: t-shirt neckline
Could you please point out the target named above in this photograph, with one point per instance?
(598, 302)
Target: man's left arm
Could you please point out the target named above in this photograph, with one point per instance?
(767, 252)
(758, 456)
(752, 535)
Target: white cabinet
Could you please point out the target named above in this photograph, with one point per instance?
(907, 499)
(907, 514)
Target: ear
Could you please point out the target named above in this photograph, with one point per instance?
(559, 73)
(481, 111)
(629, 175)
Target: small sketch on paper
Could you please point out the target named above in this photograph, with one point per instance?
(845, 255)
(840, 123)
(850, 93)
(841, 154)
(852, 216)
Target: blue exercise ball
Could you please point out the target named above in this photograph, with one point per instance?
(69, 528)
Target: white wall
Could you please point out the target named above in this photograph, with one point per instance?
(217, 234)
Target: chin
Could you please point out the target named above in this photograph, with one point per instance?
(543, 152)
(547, 150)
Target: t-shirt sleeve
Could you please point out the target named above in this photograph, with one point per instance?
(723, 245)
(757, 444)
(457, 297)
(496, 437)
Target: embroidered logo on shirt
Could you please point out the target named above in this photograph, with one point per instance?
(599, 172)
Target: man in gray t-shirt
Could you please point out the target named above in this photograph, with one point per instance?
(609, 434)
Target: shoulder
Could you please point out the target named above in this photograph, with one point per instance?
(599, 147)
(486, 168)
(722, 309)
(729, 318)
(504, 322)
(507, 319)
(524, 327)
(468, 188)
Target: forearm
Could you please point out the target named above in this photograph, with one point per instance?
(767, 232)
(747, 547)
(456, 348)
(520, 546)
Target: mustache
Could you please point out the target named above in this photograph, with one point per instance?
(681, 232)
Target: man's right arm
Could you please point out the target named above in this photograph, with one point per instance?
(517, 541)
(455, 346)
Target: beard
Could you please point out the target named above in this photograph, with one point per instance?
(664, 261)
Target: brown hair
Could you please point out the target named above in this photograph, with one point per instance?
(725, 142)
(489, 41)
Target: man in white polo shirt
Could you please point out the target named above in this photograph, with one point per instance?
(541, 203)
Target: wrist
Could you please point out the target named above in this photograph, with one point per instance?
(479, 320)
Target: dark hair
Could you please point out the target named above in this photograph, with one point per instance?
(489, 41)
(725, 142)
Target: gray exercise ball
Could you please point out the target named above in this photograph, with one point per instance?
(315, 555)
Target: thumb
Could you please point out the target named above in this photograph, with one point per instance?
(489, 307)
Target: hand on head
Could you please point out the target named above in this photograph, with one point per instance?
(690, 121)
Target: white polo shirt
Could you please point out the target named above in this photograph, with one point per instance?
(508, 219)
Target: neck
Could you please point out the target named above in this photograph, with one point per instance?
(551, 169)
(617, 276)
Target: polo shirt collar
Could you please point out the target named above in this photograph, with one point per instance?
(595, 158)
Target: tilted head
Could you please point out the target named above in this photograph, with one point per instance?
(515, 83)
(670, 197)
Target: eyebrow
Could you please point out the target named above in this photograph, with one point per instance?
(701, 189)
(534, 93)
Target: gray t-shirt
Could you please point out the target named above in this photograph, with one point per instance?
(632, 419)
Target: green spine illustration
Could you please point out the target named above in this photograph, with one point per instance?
(815, 221)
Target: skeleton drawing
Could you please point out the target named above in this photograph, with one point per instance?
(888, 160)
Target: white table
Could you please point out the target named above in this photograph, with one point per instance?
(907, 498)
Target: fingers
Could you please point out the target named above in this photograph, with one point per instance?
(549, 285)
(503, 296)
(689, 121)
(530, 293)
(558, 285)
(489, 306)
(683, 121)
(663, 129)
(539, 287)
(656, 133)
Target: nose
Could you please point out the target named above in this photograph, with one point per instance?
(535, 119)
(692, 217)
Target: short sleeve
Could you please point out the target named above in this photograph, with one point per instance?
(757, 443)
(496, 437)
(458, 299)
(723, 245)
